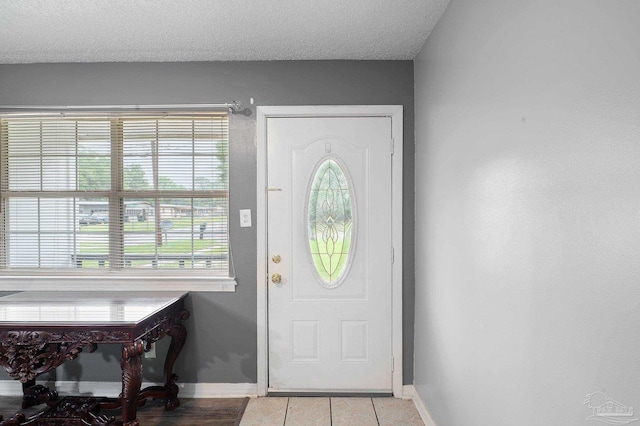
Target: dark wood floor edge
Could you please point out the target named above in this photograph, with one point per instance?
(241, 411)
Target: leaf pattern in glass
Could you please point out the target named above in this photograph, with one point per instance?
(330, 222)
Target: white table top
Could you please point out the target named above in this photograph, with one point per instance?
(83, 307)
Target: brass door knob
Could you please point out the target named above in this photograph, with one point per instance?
(276, 278)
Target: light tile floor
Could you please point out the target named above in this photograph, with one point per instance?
(311, 411)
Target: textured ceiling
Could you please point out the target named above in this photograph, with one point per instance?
(213, 30)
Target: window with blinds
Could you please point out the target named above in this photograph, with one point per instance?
(115, 193)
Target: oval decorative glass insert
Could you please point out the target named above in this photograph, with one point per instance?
(330, 222)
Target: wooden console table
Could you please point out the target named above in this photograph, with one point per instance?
(41, 330)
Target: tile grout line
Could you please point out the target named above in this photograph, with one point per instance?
(374, 411)
(330, 414)
(286, 410)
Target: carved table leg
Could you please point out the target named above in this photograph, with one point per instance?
(27, 397)
(131, 380)
(16, 420)
(178, 334)
(36, 394)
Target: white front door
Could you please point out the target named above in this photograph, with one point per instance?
(329, 246)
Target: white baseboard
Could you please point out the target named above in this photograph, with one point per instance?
(409, 392)
(113, 389)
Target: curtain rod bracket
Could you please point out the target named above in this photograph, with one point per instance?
(236, 108)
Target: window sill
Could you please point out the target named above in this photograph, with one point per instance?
(15, 282)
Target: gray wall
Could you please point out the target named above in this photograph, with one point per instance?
(222, 341)
(528, 195)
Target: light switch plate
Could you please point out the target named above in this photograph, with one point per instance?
(245, 218)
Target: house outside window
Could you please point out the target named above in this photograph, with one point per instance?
(96, 194)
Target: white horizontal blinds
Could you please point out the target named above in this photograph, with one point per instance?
(42, 166)
(175, 193)
(114, 192)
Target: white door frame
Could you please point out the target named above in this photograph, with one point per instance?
(395, 112)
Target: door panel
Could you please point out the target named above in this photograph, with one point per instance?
(329, 220)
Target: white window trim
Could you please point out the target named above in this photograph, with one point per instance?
(116, 280)
(115, 283)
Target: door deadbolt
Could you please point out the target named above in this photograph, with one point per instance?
(276, 258)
